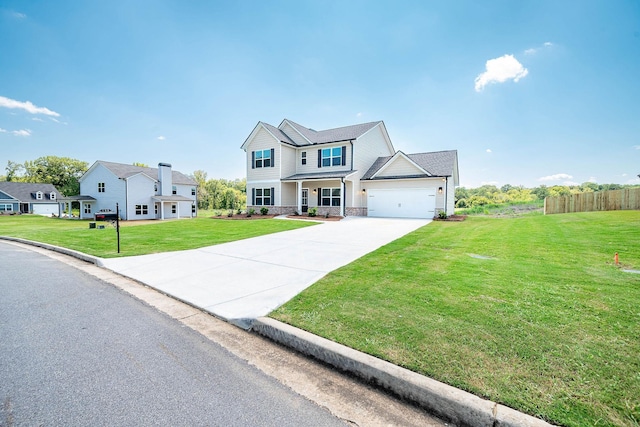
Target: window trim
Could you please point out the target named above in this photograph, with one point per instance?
(6, 207)
(332, 159)
(333, 199)
(39, 195)
(260, 156)
(101, 187)
(303, 158)
(255, 197)
(142, 209)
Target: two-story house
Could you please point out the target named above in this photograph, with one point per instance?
(140, 192)
(28, 197)
(352, 170)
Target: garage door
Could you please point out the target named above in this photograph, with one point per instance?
(401, 203)
(45, 209)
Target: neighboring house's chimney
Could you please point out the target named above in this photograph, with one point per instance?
(164, 176)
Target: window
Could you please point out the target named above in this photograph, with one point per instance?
(142, 209)
(174, 208)
(304, 157)
(39, 195)
(263, 197)
(263, 158)
(101, 187)
(87, 209)
(6, 207)
(331, 157)
(193, 191)
(52, 195)
(174, 190)
(155, 187)
(330, 197)
(155, 208)
(193, 209)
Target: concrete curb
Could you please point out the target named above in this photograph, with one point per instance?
(84, 257)
(447, 402)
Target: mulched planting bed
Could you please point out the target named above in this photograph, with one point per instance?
(244, 217)
(452, 218)
(315, 218)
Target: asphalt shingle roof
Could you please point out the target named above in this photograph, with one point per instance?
(25, 191)
(438, 163)
(123, 171)
(345, 133)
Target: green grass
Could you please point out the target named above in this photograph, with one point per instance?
(159, 236)
(549, 325)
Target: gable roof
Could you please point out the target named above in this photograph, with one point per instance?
(344, 133)
(124, 171)
(438, 163)
(25, 191)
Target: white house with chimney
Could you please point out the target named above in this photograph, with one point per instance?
(140, 192)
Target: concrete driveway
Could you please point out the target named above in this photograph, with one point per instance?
(246, 279)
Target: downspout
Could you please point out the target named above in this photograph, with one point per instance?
(344, 197)
(446, 190)
(351, 142)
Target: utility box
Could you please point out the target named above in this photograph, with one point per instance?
(92, 225)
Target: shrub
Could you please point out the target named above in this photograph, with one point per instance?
(251, 212)
(462, 203)
(264, 211)
(442, 215)
(313, 211)
(230, 214)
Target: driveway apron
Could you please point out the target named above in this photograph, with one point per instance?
(242, 280)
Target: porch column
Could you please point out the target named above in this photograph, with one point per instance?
(343, 197)
(178, 209)
(161, 210)
(81, 210)
(299, 196)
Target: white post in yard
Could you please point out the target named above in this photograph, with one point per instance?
(299, 197)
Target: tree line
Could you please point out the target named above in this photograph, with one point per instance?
(492, 195)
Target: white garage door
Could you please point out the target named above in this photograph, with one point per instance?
(45, 208)
(401, 203)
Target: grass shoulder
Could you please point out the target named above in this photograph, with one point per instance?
(138, 237)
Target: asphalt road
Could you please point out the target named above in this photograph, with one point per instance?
(75, 351)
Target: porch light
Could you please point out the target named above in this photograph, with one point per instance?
(314, 191)
(364, 190)
(439, 190)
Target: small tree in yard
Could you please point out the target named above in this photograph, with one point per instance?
(264, 211)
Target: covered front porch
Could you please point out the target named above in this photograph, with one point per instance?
(327, 192)
(169, 206)
(86, 204)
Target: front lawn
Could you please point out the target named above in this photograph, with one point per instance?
(530, 311)
(138, 238)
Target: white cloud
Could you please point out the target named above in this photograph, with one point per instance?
(637, 147)
(489, 150)
(27, 106)
(161, 138)
(556, 177)
(535, 50)
(592, 179)
(570, 183)
(499, 70)
(21, 132)
(489, 183)
(37, 119)
(359, 115)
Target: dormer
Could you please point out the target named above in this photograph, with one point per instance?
(39, 195)
(52, 195)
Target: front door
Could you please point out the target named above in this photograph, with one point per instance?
(305, 200)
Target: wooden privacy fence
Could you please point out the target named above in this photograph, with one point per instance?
(612, 200)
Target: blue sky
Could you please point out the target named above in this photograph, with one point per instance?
(528, 92)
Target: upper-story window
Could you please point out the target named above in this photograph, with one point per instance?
(39, 195)
(304, 157)
(52, 195)
(335, 156)
(101, 187)
(174, 190)
(262, 158)
(193, 191)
